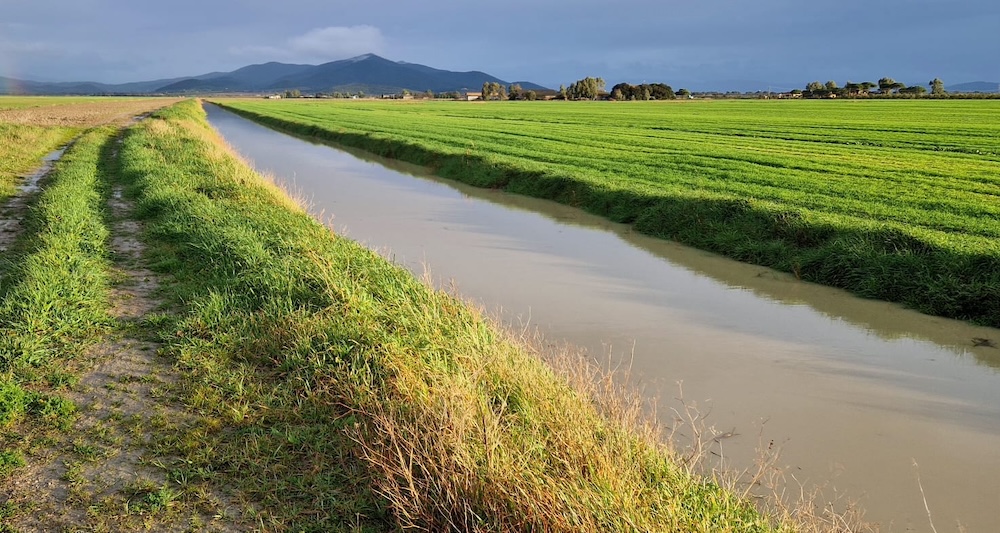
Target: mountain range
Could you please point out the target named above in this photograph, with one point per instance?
(368, 73)
(975, 87)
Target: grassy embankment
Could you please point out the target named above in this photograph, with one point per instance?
(894, 200)
(54, 293)
(341, 392)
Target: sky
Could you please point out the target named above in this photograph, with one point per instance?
(700, 45)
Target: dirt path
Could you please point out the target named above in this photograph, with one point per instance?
(103, 474)
(13, 212)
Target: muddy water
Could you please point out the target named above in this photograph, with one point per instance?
(853, 391)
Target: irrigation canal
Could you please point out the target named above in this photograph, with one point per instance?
(853, 391)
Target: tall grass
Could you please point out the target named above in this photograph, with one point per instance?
(891, 200)
(343, 393)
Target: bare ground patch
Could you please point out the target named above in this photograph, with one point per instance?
(86, 115)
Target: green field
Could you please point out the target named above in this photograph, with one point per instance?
(895, 200)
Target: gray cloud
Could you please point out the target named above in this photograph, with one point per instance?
(704, 44)
(319, 45)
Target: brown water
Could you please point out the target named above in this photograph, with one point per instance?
(854, 391)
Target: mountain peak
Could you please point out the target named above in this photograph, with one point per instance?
(362, 57)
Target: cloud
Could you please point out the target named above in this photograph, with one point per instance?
(321, 44)
(28, 48)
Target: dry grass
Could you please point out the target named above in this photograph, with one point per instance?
(85, 114)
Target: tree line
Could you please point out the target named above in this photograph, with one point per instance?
(493, 90)
(886, 87)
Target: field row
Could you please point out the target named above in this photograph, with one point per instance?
(852, 194)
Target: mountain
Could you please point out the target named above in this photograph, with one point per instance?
(380, 75)
(369, 73)
(975, 87)
(252, 78)
(13, 86)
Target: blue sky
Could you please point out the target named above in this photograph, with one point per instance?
(709, 44)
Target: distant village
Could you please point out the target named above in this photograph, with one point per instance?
(594, 89)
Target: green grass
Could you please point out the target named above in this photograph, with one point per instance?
(54, 293)
(58, 288)
(340, 393)
(21, 149)
(894, 200)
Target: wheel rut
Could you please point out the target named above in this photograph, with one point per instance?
(104, 474)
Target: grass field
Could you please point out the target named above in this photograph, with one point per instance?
(894, 200)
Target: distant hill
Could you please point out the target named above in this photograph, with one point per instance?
(975, 87)
(252, 78)
(369, 73)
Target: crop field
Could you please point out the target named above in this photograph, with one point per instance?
(895, 200)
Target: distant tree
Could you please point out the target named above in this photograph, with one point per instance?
(683, 93)
(515, 92)
(294, 93)
(586, 89)
(531, 95)
(563, 93)
(852, 89)
(831, 86)
(937, 86)
(915, 90)
(867, 86)
(661, 91)
(644, 94)
(406, 92)
(624, 91)
(428, 94)
(493, 90)
(814, 89)
(889, 85)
